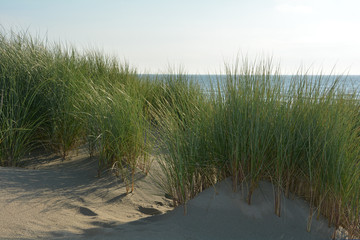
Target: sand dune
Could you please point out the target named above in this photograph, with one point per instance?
(62, 198)
(65, 200)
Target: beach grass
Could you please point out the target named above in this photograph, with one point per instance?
(302, 134)
(302, 137)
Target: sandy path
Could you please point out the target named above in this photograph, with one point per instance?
(67, 201)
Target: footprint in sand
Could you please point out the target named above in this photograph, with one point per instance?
(159, 203)
(149, 211)
(87, 212)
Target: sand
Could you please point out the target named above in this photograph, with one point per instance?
(66, 200)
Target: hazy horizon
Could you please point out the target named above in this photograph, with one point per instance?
(200, 36)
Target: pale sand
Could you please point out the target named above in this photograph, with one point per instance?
(67, 201)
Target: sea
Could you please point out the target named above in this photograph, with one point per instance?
(349, 84)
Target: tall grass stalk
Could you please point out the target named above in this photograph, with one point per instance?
(20, 114)
(17, 126)
(250, 99)
(183, 117)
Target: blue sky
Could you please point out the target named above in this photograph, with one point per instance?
(200, 36)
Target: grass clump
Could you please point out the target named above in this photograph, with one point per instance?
(301, 136)
(54, 97)
(251, 94)
(20, 112)
(117, 130)
(182, 115)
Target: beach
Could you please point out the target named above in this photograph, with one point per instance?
(91, 148)
(55, 199)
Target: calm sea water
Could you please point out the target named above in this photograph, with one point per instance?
(349, 83)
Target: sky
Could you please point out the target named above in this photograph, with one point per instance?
(200, 36)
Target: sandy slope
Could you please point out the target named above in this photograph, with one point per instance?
(67, 201)
(58, 199)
